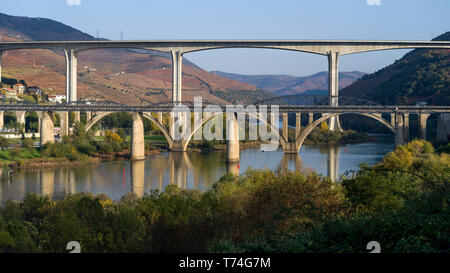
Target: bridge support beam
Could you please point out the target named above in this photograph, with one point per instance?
(406, 126)
(399, 130)
(285, 130)
(1, 55)
(393, 120)
(137, 138)
(232, 138)
(77, 117)
(71, 75)
(423, 125)
(333, 87)
(20, 115)
(2, 116)
(47, 134)
(443, 127)
(88, 115)
(63, 123)
(298, 124)
(177, 65)
(310, 118)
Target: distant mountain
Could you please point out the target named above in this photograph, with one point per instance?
(125, 75)
(420, 75)
(282, 85)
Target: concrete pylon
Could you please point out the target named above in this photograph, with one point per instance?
(77, 117)
(63, 123)
(232, 138)
(285, 130)
(137, 177)
(137, 138)
(20, 115)
(298, 124)
(2, 120)
(1, 55)
(423, 125)
(71, 74)
(406, 126)
(333, 87)
(310, 118)
(393, 120)
(443, 127)
(47, 134)
(88, 115)
(399, 130)
(177, 67)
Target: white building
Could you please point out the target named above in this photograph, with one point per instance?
(56, 98)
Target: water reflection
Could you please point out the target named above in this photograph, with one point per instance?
(186, 170)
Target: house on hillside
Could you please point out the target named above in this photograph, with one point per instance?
(20, 88)
(34, 90)
(8, 93)
(57, 98)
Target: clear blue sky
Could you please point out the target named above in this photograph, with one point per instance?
(253, 19)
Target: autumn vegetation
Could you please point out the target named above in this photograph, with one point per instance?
(402, 202)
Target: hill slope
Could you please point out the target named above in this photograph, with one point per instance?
(125, 75)
(282, 85)
(421, 75)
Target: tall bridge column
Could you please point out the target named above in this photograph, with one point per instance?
(63, 123)
(285, 130)
(399, 130)
(71, 74)
(443, 127)
(393, 120)
(88, 115)
(47, 135)
(77, 117)
(232, 138)
(423, 125)
(298, 124)
(333, 87)
(137, 138)
(2, 116)
(406, 126)
(177, 65)
(20, 115)
(310, 118)
(1, 55)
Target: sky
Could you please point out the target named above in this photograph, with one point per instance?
(253, 19)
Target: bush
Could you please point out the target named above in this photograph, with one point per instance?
(104, 147)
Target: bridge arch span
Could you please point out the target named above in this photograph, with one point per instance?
(204, 120)
(304, 133)
(147, 115)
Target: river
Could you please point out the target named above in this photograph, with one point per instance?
(191, 170)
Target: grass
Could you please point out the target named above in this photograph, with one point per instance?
(10, 155)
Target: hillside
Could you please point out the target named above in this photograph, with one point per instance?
(282, 85)
(420, 75)
(125, 75)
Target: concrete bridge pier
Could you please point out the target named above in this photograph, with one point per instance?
(443, 127)
(71, 74)
(177, 63)
(406, 126)
(2, 116)
(423, 125)
(298, 124)
(393, 120)
(88, 115)
(63, 123)
(1, 55)
(47, 134)
(399, 130)
(310, 118)
(232, 138)
(137, 138)
(285, 129)
(333, 87)
(20, 115)
(77, 117)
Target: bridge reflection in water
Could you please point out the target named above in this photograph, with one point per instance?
(186, 170)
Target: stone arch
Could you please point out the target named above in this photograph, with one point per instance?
(310, 127)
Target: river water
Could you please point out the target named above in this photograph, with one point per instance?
(192, 170)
